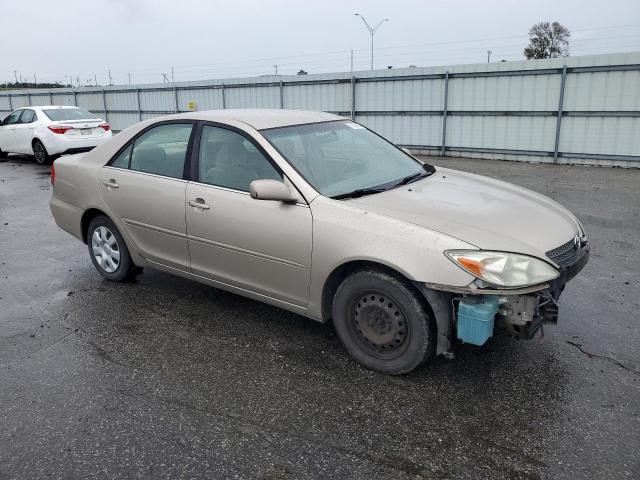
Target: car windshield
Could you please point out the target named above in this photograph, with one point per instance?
(57, 114)
(342, 159)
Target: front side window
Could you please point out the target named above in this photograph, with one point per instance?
(227, 159)
(341, 157)
(74, 113)
(28, 116)
(12, 118)
(162, 150)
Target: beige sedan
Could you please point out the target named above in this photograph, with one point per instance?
(319, 215)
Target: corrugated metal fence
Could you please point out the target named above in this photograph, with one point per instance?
(567, 110)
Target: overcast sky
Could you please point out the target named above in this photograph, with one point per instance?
(217, 39)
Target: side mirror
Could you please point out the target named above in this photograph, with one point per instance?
(271, 190)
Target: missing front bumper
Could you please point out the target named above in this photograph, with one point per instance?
(522, 312)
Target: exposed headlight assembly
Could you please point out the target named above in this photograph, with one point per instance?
(503, 269)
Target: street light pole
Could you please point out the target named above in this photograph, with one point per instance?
(372, 31)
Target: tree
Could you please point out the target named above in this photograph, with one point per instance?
(547, 40)
(301, 72)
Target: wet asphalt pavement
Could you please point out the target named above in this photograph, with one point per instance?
(166, 378)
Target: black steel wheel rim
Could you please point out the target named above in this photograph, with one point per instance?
(378, 323)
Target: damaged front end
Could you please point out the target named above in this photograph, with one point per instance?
(478, 317)
(524, 315)
(475, 313)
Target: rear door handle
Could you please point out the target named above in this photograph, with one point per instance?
(111, 183)
(199, 203)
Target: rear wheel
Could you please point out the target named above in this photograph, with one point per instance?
(383, 323)
(3, 154)
(108, 251)
(40, 152)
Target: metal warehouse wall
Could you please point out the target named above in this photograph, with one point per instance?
(565, 110)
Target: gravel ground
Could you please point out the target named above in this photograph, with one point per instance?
(166, 378)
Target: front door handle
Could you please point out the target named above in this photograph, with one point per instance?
(199, 203)
(111, 183)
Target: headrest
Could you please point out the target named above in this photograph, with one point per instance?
(148, 154)
(232, 154)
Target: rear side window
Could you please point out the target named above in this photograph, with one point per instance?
(227, 159)
(162, 150)
(28, 116)
(12, 118)
(58, 114)
(122, 160)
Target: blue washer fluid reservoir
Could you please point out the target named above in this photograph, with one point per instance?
(476, 317)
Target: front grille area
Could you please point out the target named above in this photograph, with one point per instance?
(567, 254)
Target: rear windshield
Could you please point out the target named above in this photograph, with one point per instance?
(56, 114)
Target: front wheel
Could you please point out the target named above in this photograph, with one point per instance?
(108, 251)
(40, 152)
(383, 322)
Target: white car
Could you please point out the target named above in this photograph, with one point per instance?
(49, 131)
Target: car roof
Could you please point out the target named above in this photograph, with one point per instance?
(48, 107)
(52, 106)
(262, 118)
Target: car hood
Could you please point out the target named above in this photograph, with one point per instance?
(487, 213)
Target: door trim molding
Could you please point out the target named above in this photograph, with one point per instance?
(154, 228)
(245, 251)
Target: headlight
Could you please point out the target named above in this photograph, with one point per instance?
(503, 269)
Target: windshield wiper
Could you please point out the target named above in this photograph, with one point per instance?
(360, 192)
(428, 171)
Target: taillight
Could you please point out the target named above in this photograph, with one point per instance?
(53, 174)
(59, 129)
(105, 126)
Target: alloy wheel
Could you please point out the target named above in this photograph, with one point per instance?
(39, 152)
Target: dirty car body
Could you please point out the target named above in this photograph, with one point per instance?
(318, 215)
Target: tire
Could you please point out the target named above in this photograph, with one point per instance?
(40, 153)
(383, 323)
(108, 251)
(3, 154)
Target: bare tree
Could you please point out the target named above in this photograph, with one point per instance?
(547, 40)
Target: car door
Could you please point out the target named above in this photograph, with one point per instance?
(255, 245)
(23, 133)
(144, 188)
(7, 131)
